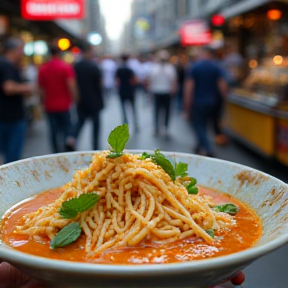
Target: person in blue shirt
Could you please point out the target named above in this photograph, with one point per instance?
(204, 85)
(12, 106)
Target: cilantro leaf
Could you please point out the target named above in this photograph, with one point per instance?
(211, 232)
(181, 169)
(166, 165)
(227, 208)
(72, 207)
(118, 139)
(66, 236)
(191, 188)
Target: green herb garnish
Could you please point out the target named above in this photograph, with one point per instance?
(117, 140)
(181, 169)
(227, 208)
(191, 186)
(145, 155)
(211, 232)
(71, 208)
(161, 160)
(66, 236)
(178, 170)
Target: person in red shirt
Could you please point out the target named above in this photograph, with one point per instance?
(58, 89)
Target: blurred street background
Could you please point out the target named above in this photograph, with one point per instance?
(138, 58)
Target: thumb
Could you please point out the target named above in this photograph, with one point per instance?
(12, 277)
(33, 284)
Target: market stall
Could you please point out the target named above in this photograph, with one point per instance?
(257, 108)
(257, 113)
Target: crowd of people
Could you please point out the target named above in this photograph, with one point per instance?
(196, 90)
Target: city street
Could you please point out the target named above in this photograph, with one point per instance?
(181, 139)
(223, 57)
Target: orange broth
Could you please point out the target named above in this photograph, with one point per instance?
(241, 236)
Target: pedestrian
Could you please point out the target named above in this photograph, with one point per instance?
(90, 103)
(126, 83)
(134, 64)
(205, 82)
(32, 104)
(142, 78)
(162, 83)
(12, 92)
(58, 90)
(180, 84)
(220, 138)
(233, 65)
(108, 67)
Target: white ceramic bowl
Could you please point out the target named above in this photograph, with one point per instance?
(267, 195)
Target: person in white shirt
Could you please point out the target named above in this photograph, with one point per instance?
(108, 67)
(162, 83)
(134, 64)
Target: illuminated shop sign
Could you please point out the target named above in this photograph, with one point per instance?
(195, 32)
(52, 9)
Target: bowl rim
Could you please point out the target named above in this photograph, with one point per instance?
(23, 259)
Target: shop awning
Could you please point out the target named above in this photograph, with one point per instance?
(242, 7)
(54, 30)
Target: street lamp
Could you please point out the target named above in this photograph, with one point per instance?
(94, 38)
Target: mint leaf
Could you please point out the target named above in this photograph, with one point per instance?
(118, 138)
(66, 236)
(181, 169)
(211, 232)
(227, 208)
(191, 188)
(72, 207)
(165, 164)
(174, 171)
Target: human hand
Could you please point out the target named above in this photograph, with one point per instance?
(12, 277)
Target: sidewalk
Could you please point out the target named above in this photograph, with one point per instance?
(181, 138)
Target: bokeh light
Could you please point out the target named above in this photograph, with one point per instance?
(64, 44)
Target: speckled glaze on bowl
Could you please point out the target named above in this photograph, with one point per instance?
(267, 195)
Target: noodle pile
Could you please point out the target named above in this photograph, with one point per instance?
(138, 202)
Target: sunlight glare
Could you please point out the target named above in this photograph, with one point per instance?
(116, 13)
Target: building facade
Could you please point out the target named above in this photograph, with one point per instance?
(156, 24)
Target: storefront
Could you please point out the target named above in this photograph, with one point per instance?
(257, 110)
(36, 35)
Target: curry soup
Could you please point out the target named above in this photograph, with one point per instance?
(239, 237)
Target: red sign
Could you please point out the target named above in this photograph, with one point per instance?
(52, 9)
(217, 20)
(195, 32)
